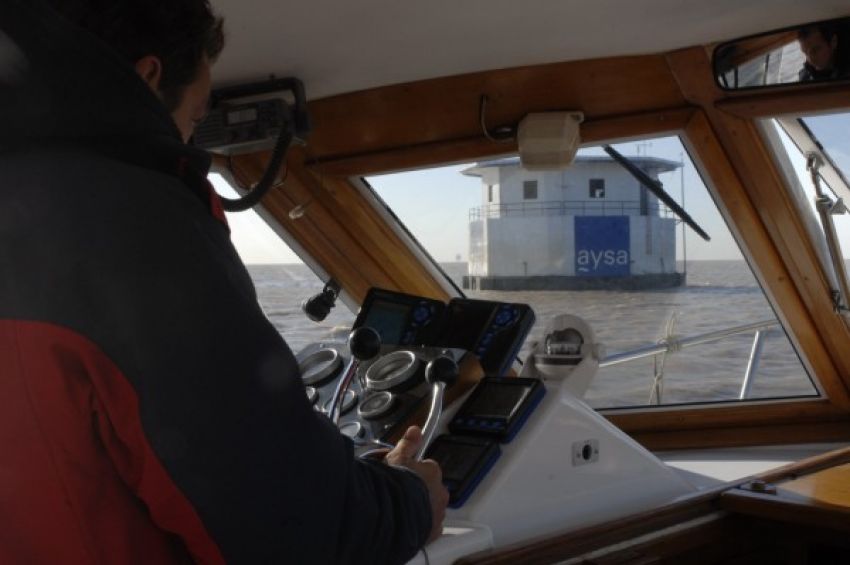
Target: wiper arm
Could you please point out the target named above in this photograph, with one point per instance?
(655, 188)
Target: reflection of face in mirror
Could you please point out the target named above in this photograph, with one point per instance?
(818, 51)
(823, 47)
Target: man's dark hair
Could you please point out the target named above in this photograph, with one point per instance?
(826, 29)
(179, 32)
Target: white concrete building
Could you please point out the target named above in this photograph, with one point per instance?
(590, 226)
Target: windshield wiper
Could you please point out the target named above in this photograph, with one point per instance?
(655, 188)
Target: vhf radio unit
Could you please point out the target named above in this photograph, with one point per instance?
(249, 118)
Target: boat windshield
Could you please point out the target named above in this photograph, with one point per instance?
(831, 131)
(281, 278)
(595, 241)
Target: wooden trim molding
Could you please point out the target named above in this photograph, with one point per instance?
(734, 425)
(475, 148)
(727, 415)
(551, 549)
(799, 99)
(773, 272)
(808, 465)
(752, 190)
(434, 121)
(745, 436)
(447, 108)
(340, 229)
(809, 493)
(431, 122)
(784, 510)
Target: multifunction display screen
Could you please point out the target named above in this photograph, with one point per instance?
(498, 407)
(464, 462)
(457, 460)
(388, 319)
(496, 401)
(492, 331)
(401, 319)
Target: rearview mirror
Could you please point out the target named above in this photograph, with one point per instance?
(818, 51)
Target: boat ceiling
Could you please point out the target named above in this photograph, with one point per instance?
(340, 46)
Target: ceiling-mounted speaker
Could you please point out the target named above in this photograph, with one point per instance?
(549, 140)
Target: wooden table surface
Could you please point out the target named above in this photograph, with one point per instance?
(828, 487)
(820, 499)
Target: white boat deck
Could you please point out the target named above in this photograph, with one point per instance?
(706, 468)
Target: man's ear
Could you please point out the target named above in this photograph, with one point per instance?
(149, 68)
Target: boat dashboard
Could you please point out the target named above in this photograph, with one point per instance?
(521, 454)
(387, 387)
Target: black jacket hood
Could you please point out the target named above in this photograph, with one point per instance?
(60, 85)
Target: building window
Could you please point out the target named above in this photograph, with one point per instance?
(489, 193)
(597, 188)
(529, 190)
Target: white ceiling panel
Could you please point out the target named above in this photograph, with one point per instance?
(338, 46)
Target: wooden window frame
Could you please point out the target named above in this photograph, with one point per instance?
(622, 98)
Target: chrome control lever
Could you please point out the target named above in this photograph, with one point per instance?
(440, 372)
(363, 343)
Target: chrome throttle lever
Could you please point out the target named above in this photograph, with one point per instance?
(440, 372)
(363, 343)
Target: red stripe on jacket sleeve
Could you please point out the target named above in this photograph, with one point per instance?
(83, 469)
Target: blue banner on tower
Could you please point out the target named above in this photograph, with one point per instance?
(602, 246)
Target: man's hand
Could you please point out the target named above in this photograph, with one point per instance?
(403, 455)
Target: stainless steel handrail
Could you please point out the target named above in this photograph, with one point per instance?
(669, 345)
(752, 365)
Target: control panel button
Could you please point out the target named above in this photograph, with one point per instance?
(376, 405)
(320, 366)
(392, 370)
(354, 430)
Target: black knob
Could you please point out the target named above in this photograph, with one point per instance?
(364, 343)
(442, 369)
(319, 306)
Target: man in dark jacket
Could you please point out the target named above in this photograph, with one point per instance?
(825, 48)
(149, 413)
